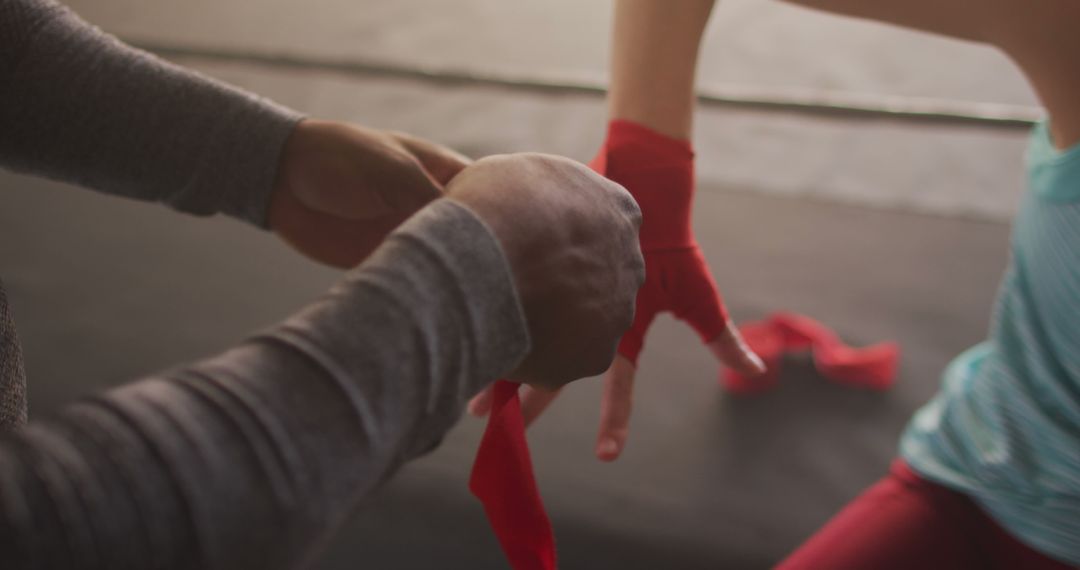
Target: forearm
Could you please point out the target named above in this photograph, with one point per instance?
(79, 106)
(1039, 36)
(654, 58)
(963, 19)
(249, 459)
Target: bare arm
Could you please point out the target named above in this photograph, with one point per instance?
(654, 56)
(1041, 37)
(78, 105)
(656, 48)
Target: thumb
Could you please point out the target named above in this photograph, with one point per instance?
(440, 162)
(480, 404)
(615, 408)
(352, 172)
(698, 303)
(732, 350)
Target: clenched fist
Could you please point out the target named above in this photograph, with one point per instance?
(571, 239)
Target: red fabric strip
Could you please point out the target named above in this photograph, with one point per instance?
(872, 367)
(658, 171)
(502, 478)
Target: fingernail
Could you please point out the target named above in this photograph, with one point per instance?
(756, 362)
(608, 447)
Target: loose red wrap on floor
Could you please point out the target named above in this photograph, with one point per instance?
(872, 367)
(658, 171)
(502, 478)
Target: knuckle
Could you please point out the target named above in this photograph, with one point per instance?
(625, 201)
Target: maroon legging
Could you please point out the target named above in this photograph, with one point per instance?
(906, 522)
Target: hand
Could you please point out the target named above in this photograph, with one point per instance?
(342, 188)
(571, 239)
(658, 172)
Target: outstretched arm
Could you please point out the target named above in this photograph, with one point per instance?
(251, 458)
(1039, 36)
(527, 270)
(654, 62)
(651, 104)
(78, 105)
(654, 57)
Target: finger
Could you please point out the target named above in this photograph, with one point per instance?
(480, 404)
(534, 401)
(442, 163)
(695, 298)
(615, 409)
(732, 350)
(647, 305)
(700, 306)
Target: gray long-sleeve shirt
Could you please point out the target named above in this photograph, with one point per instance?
(250, 458)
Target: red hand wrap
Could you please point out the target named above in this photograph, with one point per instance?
(871, 367)
(502, 478)
(659, 172)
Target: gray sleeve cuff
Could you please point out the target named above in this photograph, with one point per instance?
(78, 105)
(430, 319)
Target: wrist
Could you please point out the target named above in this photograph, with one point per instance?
(658, 171)
(267, 135)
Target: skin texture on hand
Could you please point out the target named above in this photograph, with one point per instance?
(571, 239)
(342, 188)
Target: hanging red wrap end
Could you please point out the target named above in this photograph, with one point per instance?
(502, 478)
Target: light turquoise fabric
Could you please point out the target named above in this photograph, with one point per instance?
(1005, 427)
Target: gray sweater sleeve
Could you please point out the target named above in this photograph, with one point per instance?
(80, 106)
(251, 458)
